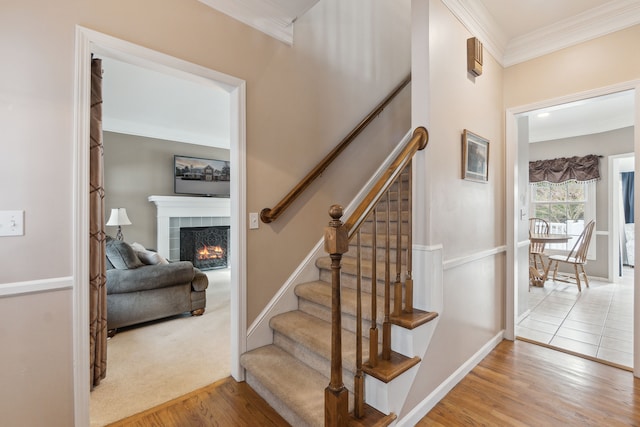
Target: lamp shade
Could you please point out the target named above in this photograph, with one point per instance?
(119, 217)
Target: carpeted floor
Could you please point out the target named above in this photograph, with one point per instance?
(160, 361)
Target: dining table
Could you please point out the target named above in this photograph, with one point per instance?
(549, 238)
(538, 278)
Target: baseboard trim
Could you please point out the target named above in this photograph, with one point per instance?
(423, 408)
(35, 286)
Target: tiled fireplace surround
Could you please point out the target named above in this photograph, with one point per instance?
(174, 212)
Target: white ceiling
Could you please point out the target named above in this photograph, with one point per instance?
(272, 17)
(145, 102)
(585, 117)
(149, 103)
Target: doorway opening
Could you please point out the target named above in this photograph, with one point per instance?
(596, 323)
(90, 42)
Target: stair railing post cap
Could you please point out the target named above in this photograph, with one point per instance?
(336, 211)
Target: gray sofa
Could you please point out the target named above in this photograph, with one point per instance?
(139, 292)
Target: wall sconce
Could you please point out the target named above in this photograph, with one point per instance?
(119, 217)
(474, 56)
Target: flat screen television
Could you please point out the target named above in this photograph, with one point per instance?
(197, 176)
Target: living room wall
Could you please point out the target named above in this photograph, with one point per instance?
(137, 167)
(619, 141)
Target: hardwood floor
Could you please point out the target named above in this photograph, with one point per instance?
(523, 384)
(518, 384)
(224, 403)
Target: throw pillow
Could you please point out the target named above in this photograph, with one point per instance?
(122, 256)
(138, 247)
(151, 258)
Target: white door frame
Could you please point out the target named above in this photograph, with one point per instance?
(512, 196)
(614, 213)
(88, 42)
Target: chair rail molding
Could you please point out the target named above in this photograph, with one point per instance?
(35, 286)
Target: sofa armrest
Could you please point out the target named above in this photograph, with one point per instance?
(200, 281)
(149, 277)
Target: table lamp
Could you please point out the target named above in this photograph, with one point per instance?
(119, 217)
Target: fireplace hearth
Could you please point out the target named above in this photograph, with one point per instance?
(206, 247)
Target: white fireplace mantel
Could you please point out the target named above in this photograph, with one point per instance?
(181, 207)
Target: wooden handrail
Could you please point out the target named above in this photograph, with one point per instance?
(268, 215)
(417, 142)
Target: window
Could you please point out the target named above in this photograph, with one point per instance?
(567, 207)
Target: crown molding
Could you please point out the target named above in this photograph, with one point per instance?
(608, 18)
(477, 19)
(273, 17)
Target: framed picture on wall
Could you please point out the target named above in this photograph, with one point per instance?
(475, 157)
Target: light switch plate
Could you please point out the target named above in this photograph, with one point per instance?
(253, 221)
(11, 223)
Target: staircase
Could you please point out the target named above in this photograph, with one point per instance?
(293, 372)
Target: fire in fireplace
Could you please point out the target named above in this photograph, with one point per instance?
(206, 247)
(210, 252)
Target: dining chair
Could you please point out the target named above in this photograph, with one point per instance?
(536, 250)
(577, 257)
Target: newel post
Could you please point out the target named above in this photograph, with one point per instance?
(336, 243)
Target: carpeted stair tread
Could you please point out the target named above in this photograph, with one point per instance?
(367, 227)
(366, 240)
(314, 335)
(319, 292)
(381, 215)
(298, 386)
(349, 267)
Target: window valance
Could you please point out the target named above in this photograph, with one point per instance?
(563, 169)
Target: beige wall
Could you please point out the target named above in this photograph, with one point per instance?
(37, 360)
(347, 55)
(136, 168)
(466, 218)
(601, 62)
(301, 101)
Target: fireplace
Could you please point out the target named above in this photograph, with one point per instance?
(206, 247)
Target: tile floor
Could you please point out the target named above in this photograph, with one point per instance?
(597, 322)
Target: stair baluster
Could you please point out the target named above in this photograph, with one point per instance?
(373, 331)
(359, 377)
(386, 324)
(408, 283)
(397, 286)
